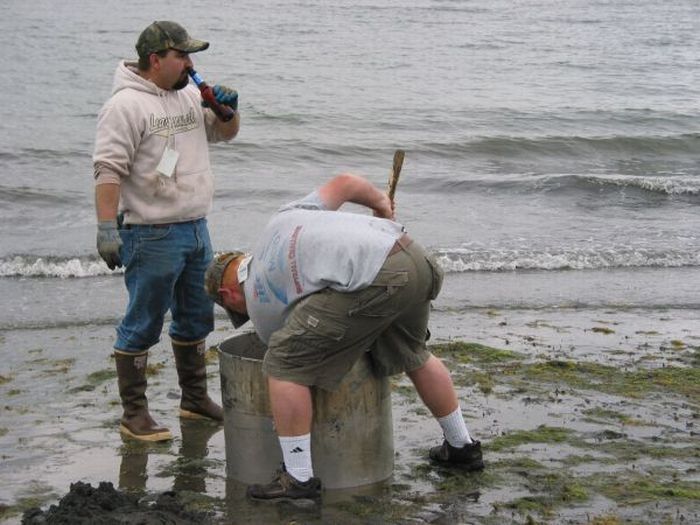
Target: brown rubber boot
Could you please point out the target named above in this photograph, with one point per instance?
(192, 374)
(136, 421)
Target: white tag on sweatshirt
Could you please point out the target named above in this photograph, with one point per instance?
(166, 166)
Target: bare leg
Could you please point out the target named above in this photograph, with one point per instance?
(434, 385)
(292, 409)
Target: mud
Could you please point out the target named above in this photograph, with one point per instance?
(105, 505)
(586, 416)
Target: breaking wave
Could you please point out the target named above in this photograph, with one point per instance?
(61, 267)
(466, 260)
(451, 260)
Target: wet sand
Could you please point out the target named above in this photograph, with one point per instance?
(587, 416)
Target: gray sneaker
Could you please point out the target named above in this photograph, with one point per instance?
(468, 457)
(285, 487)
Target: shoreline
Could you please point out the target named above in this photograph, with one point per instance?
(61, 409)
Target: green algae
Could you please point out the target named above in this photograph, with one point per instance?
(606, 520)
(153, 369)
(369, 509)
(56, 366)
(474, 353)
(32, 495)
(598, 414)
(517, 464)
(586, 459)
(637, 489)
(549, 490)
(542, 434)
(509, 365)
(407, 391)
(484, 381)
(629, 450)
(100, 376)
(95, 379)
(610, 379)
(211, 355)
(602, 330)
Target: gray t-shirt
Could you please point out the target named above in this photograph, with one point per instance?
(305, 248)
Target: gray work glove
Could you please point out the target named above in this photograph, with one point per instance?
(108, 243)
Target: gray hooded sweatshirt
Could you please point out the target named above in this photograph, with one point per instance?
(133, 129)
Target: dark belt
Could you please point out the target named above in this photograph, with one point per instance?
(401, 243)
(161, 225)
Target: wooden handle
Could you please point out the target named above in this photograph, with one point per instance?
(395, 172)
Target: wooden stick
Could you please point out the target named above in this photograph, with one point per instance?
(395, 172)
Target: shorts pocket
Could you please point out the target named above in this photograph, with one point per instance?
(307, 338)
(376, 299)
(438, 276)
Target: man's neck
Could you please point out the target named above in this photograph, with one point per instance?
(148, 75)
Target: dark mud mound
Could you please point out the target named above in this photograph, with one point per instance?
(105, 505)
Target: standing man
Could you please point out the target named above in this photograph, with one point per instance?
(321, 287)
(153, 190)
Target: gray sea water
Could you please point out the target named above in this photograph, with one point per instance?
(552, 147)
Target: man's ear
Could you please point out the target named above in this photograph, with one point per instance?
(226, 294)
(154, 60)
(232, 295)
(237, 297)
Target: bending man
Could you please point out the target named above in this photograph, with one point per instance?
(322, 287)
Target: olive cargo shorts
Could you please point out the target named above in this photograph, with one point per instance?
(328, 331)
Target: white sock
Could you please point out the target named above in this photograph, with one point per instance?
(455, 429)
(296, 453)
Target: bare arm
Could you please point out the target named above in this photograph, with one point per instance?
(229, 130)
(353, 188)
(107, 201)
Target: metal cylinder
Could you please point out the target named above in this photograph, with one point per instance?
(352, 441)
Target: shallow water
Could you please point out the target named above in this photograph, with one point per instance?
(69, 431)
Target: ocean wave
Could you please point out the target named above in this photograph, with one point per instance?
(666, 184)
(466, 260)
(43, 154)
(26, 195)
(617, 146)
(676, 185)
(452, 261)
(670, 185)
(61, 267)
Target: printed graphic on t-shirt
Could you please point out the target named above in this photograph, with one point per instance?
(259, 292)
(274, 261)
(165, 125)
(275, 275)
(292, 257)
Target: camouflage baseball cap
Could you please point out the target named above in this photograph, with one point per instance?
(212, 282)
(162, 35)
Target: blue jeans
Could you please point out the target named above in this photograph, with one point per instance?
(164, 270)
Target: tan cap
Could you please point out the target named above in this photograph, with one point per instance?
(212, 282)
